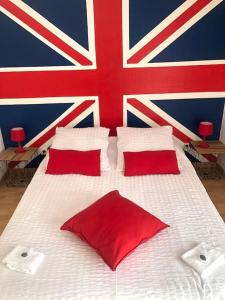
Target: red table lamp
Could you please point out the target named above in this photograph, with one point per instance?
(205, 129)
(18, 135)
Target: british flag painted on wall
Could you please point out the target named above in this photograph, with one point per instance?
(111, 63)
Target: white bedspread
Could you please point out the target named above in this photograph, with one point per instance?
(72, 270)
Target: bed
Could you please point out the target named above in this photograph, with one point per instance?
(72, 270)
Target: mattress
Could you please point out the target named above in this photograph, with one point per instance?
(72, 270)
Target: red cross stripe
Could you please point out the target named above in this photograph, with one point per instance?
(111, 80)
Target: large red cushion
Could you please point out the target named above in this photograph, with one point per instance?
(150, 162)
(74, 162)
(114, 226)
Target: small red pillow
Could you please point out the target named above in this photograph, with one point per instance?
(74, 162)
(114, 226)
(150, 162)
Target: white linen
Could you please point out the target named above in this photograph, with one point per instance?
(210, 264)
(84, 139)
(23, 259)
(72, 270)
(142, 139)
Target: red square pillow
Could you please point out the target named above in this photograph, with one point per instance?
(74, 162)
(114, 226)
(150, 162)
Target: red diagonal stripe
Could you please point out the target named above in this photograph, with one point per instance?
(168, 31)
(69, 118)
(157, 119)
(44, 32)
(51, 132)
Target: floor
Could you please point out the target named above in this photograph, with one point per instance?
(10, 197)
(216, 191)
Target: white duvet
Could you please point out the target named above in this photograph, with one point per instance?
(72, 270)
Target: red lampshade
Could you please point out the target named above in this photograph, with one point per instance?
(205, 128)
(17, 134)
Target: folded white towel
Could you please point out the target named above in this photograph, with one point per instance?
(23, 259)
(205, 259)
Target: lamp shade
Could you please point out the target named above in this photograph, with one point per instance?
(17, 134)
(205, 128)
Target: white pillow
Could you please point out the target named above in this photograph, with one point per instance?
(142, 139)
(90, 138)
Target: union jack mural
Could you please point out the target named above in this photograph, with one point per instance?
(111, 63)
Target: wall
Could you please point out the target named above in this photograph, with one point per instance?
(2, 164)
(75, 63)
(221, 159)
(222, 133)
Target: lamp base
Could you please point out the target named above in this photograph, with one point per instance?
(203, 144)
(20, 150)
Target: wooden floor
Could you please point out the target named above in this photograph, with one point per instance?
(216, 191)
(10, 197)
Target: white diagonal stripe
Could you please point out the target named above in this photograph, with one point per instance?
(141, 116)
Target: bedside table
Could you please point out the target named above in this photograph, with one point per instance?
(18, 176)
(209, 170)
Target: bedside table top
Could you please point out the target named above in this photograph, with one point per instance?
(215, 147)
(10, 155)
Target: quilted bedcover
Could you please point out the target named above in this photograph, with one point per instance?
(72, 270)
